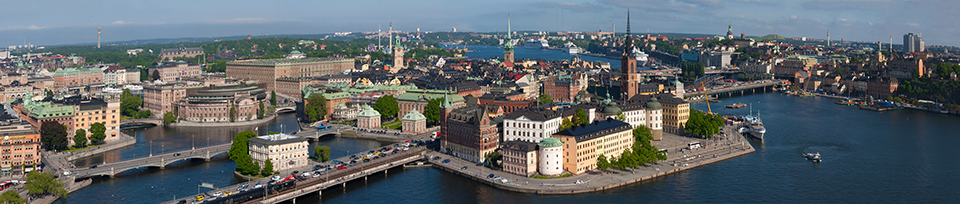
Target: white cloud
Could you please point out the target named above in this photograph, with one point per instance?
(31, 27)
(119, 22)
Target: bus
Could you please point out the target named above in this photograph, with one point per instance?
(694, 145)
(323, 127)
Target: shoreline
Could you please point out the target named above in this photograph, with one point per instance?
(265, 119)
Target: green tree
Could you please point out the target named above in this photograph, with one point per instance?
(155, 75)
(273, 98)
(494, 158)
(129, 103)
(545, 99)
(261, 111)
(316, 107)
(267, 168)
(322, 153)
(99, 133)
(44, 183)
(233, 112)
(239, 154)
(387, 106)
(144, 75)
(53, 135)
(80, 138)
(11, 197)
(580, 117)
(602, 162)
(144, 114)
(565, 124)
(703, 124)
(620, 117)
(169, 117)
(432, 110)
(48, 92)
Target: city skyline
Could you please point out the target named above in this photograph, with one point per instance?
(853, 20)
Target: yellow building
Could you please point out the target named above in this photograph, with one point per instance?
(88, 112)
(583, 144)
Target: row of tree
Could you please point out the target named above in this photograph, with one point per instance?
(703, 124)
(641, 153)
(53, 135)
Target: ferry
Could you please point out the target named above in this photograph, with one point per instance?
(814, 157)
(536, 44)
(571, 48)
(641, 57)
(754, 127)
(736, 105)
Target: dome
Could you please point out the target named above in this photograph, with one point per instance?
(653, 104)
(414, 115)
(295, 52)
(550, 142)
(181, 61)
(611, 109)
(368, 112)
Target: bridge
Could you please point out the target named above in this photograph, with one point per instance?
(152, 161)
(134, 122)
(734, 89)
(281, 108)
(334, 178)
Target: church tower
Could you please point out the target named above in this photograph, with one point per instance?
(508, 45)
(397, 56)
(629, 78)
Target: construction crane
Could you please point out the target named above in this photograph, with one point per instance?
(702, 84)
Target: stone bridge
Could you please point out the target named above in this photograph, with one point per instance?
(153, 161)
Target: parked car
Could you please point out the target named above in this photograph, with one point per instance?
(463, 168)
(275, 178)
(446, 161)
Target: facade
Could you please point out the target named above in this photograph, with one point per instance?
(906, 67)
(551, 157)
(187, 52)
(418, 99)
(8, 78)
(214, 103)
(284, 151)
(414, 123)
(20, 144)
(268, 71)
(343, 112)
(561, 88)
(73, 77)
(368, 118)
(912, 43)
(292, 86)
(90, 111)
(132, 76)
(582, 145)
(629, 77)
(173, 71)
(882, 88)
(469, 132)
(519, 157)
(161, 98)
(530, 125)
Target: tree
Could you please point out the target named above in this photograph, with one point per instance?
(169, 117)
(322, 153)
(53, 135)
(267, 168)
(129, 103)
(155, 75)
(233, 112)
(80, 138)
(703, 124)
(44, 183)
(261, 111)
(580, 117)
(620, 117)
(99, 133)
(602, 162)
(432, 110)
(494, 158)
(11, 197)
(273, 98)
(239, 154)
(387, 106)
(565, 124)
(545, 99)
(316, 107)
(144, 75)
(48, 92)
(144, 114)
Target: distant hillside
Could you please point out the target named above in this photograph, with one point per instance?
(769, 37)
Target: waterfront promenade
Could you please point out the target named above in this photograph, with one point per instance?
(714, 150)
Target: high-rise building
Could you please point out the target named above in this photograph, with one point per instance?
(912, 43)
(629, 78)
(98, 36)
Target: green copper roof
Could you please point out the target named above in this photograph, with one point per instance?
(414, 115)
(368, 112)
(653, 104)
(550, 142)
(74, 71)
(446, 102)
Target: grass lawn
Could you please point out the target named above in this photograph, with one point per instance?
(546, 177)
(73, 149)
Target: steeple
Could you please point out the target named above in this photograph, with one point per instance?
(508, 45)
(628, 45)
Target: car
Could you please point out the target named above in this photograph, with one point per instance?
(275, 178)
(294, 172)
(317, 167)
(93, 167)
(490, 176)
(341, 167)
(176, 154)
(305, 174)
(182, 202)
(463, 168)
(258, 185)
(436, 158)
(217, 194)
(446, 161)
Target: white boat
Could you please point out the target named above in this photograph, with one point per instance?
(536, 44)
(753, 126)
(814, 157)
(571, 48)
(641, 56)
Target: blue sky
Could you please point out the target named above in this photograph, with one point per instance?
(49, 22)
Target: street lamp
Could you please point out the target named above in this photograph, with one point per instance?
(151, 148)
(194, 141)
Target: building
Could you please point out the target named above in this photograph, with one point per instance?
(397, 56)
(508, 47)
(717, 57)
(583, 144)
(530, 125)
(509, 104)
(132, 76)
(561, 88)
(173, 71)
(551, 157)
(269, 70)
(284, 151)
(368, 118)
(215, 102)
(417, 99)
(8, 78)
(665, 112)
(88, 111)
(414, 123)
(188, 52)
(20, 144)
(162, 97)
(904, 68)
(344, 112)
(881, 87)
(519, 157)
(74, 77)
(469, 132)
(629, 77)
(912, 43)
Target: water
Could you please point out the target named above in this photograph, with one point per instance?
(487, 52)
(868, 157)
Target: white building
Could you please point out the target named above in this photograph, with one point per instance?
(530, 125)
(284, 151)
(551, 157)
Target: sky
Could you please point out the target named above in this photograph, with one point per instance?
(53, 22)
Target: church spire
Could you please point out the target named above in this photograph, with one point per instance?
(628, 45)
